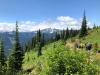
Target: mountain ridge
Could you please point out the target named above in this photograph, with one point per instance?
(8, 37)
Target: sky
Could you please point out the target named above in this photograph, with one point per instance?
(40, 14)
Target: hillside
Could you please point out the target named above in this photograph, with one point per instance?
(93, 36)
(56, 52)
(57, 57)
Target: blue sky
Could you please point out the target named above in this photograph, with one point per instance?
(41, 10)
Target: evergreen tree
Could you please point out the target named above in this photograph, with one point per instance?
(39, 49)
(2, 59)
(94, 27)
(16, 57)
(71, 32)
(39, 44)
(26, 47)
(43, 40)
(83, 31)
(33, 42)
(62, 34)
(66, 34)
(38, 36)
(2, 55)
(57, 36)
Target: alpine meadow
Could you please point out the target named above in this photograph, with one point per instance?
(49, 37)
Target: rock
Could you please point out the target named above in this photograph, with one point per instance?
(89, 46)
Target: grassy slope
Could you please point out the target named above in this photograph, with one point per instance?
(31, 57)
(93, 36)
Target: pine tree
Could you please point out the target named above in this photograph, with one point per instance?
(66, 34)
(39, 42)
(94, 27)
(62, 34)
(43, 40)
(83, 31)
(2, 55)
(26, 47)
(2, 59)
(57, 36)
(39, 49)
(38, 35)
(71, 33)
(33, 42)
(16, 57)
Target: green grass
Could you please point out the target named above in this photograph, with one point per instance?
(93, 36)
(31, 58)
(50, 55)
(49, 61)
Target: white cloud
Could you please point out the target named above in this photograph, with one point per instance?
(67, 20)
(61, 22)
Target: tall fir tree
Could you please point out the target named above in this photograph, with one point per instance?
(33, 42)
(16, 57)
(39, 49)
(39, 42)
(94, 27)
(43, 40)
(83, 31)
(2, 58)
(62, 34)
(66, 36)
(71, 32)
(2, 55)
(57, 36)
(26, 47)
(38, 35)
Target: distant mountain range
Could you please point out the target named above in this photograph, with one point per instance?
(8, 37)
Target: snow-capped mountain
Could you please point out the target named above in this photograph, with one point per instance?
(49, 30)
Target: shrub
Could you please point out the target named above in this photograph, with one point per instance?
(63, 61)
(96, 47)
(59, 60)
